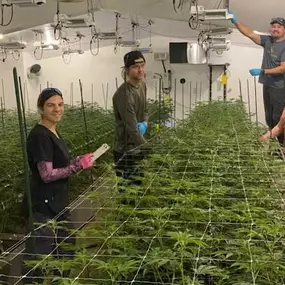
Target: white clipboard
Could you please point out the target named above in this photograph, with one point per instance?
(100, 151)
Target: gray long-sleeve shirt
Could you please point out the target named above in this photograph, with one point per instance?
(130, 107)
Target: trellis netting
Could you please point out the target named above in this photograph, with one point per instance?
(209, 211)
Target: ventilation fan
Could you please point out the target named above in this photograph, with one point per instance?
(34, 71)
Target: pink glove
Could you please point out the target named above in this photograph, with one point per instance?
(86, 160)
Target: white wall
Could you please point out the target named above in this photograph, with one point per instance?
(7, 89)
(104, 68)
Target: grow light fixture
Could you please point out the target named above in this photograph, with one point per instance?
(145, 50)
(129, 43)
(13, 45)
(72, 22)
(73, 51)
(210, 15)
(214, 39)
(50, 47)
(220, 46)
(46, 46)
(219, 31)
(107, 36)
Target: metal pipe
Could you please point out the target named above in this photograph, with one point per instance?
(183, 101)
(255, 94)
(159, 99)
(182, 81)
(107, 96)
(196, 93)
(23, 107)
(92, 95)
(2, 114)
(24, 93)
(85, 123)
(201, 91)
(71, 94)
(171, 97)
(190, 97)
(104, 98)
(240, 91)
(24, 152)
(175, 94)
(225, 85)
(155, 90)
(3, 94)
(211, 83)
(28, 99)
(83, 112)
(248, 96)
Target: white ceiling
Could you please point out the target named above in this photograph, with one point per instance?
(246, 11)
(249, 11)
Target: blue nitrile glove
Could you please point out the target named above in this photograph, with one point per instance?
(256, 71)
(142, 126)
(234, 19)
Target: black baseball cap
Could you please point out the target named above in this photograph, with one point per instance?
(133, 57)
(278, 20)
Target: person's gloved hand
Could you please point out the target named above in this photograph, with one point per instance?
(256, 71)
(234, 19)
(142, 126)
(86, 160)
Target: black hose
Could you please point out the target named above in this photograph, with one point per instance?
(2, 16)
(98, 45)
